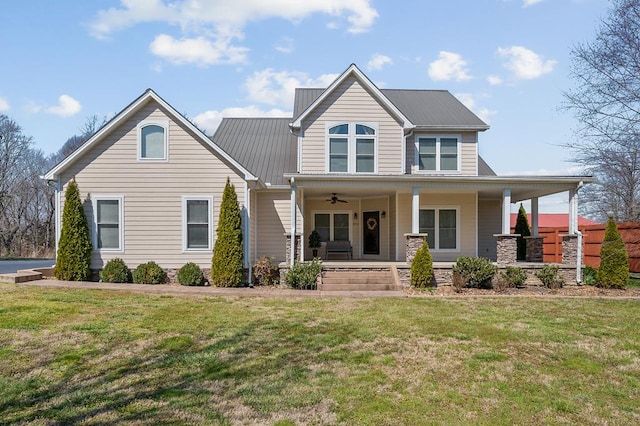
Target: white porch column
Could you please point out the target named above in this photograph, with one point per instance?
(534, 216)
(294, 217)
(506, 211)
(573, 211)
(415, 211)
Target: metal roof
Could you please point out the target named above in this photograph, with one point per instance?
(265, 146)
(437, 109)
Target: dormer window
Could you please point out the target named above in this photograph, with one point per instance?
(438, 153)
(152, 141)
(352, 148)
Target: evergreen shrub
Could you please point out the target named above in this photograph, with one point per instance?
(422, 267)
(304, 275)
(513, 276)
(190, 274)
(550, 277)
(115, 271)
(476, 272)
(522, 228)
(614, 260)
(227, 262)
(149, 273)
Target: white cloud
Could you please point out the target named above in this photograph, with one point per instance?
(67, 106)
(378, 61)
(199, 51)
(286, 45)
(213, 25)
(278, 87)
(527, 3)
(449, 66)
(525, 64)
(210, 120)
(494, 80)
(4, 104)
(470, 102)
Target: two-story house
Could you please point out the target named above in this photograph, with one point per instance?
(372, 167)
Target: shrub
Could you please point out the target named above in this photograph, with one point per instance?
(550, 277)
(614, 260)
(476, 272)
(513, 276)
(149, 273)
(303, 276)
(191, 274)
(226, 265)
(522, 228)
(422, 267)
(458, 282)
(73, 259)
(589, 274)
(265, 272)
(115, 271)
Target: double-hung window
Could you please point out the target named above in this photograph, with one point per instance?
(153, 141)
(441, 226)
(197, 214)
(352, 148)
(438, 153)
(108, 218)
(332, 226)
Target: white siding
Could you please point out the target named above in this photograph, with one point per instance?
(273, 221)
(152, 191)
(489, 224)
(469, 151)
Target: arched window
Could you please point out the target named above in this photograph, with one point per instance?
(152, 143)
(352, 148)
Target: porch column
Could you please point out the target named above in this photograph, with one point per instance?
(292, 248)
(534, 216)
(506, 211)
(415, 211)
(573, 212)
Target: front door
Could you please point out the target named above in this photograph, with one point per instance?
(371, 232)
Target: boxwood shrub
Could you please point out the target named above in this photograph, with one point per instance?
(115, 271)
(191, 274)
(149, 273)
(475, 272)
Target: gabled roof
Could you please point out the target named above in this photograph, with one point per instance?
(123, 115)
(265, 146)
(354, 71)
(426, 109)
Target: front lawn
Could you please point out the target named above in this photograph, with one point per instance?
(104, 357)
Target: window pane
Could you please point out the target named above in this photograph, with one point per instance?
(341, 227)
(448, 154)
(364, 165)
(338, 164)
(108, 211)
(427, 146)
(427, 153)
(152, 144)
(322, 224)
(427, 162)
(448, 146)
(447, 231)
(338, 161)
(449, 163)
(338, 146)
(108, 236)
(361, 129)
(340, 129)
(198, 236)
(198, 211)
(364, 147)
(341, 220)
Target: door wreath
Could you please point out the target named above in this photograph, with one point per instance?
(372, 223)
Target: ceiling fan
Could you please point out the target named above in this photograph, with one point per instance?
(334, 199)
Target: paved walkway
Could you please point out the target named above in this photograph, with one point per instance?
(176, 289)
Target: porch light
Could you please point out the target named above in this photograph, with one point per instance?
(383, 214)
(355, 216)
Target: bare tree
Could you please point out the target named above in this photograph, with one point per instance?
(606, 102)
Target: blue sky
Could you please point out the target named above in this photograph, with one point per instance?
(508, 60)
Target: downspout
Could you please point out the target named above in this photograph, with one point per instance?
(293, 221)
(579, 251)
(247, 233)
(404, 151)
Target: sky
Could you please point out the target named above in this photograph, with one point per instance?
(508, 60)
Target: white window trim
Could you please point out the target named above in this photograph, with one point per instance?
(186, 198)
(351, 145)
(331, 222)
(94, 237)
(436, 237)
(161, 123)
(416, 160)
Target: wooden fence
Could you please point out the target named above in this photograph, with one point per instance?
(592, 241)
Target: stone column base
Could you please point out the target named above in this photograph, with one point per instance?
(535, 249)
(507, 248)
(288, 247)
(414, 242)
(569, 249)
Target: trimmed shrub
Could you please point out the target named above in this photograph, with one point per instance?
(149, 273)
(422, 267)
(614, 260)
(226, 265)
(476, 272)
(589, 274)
(115, 271)
(265, 272)
(304, 275)
(191, 274)
(514, 276)
(73, 259)
(522, 228)
(550, 277)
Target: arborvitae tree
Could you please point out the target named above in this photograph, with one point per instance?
(422, 267)
(74, 248)
(614, 260)
(522, 228)
(226, 268)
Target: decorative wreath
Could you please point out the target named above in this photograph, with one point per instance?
(372, 223)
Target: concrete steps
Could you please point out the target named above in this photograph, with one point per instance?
(21, 276)
(358, 280)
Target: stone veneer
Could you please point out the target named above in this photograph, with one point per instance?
(507, 248)
(569, 249)
(414, 242)
(288, 247)
(535, 249)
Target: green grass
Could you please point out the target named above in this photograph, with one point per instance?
(101, 357)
